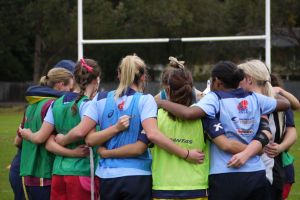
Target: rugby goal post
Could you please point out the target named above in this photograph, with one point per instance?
(266, 36)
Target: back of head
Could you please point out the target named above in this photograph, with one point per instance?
(130, 71)
(181, 87)
(173, 64)
(56, 75)
(86, 70)
(228, 73)
(260, 75)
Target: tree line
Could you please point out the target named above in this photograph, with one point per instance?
(35, 34)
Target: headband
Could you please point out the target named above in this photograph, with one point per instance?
(85, 65)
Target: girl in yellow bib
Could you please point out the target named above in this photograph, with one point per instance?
(173, 178)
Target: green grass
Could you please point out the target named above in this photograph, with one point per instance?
(10, 119)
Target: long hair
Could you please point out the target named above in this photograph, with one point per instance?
(260, 74)
(173, 64)
(180, 82)
(130, 71)
(56, 75)
(86, 70)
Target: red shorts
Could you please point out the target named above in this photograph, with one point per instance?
(73, 187)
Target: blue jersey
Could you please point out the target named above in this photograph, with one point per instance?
(239, 113)
(105, 110)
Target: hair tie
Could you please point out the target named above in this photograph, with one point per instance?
(266, 81)
(85, 65)
(180, 64)
(47, 77)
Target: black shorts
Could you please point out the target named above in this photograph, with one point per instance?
(238, 186)
(126, 188)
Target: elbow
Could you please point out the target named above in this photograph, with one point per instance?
(141, 151)
(48, 146)
(89, 142)
(153, 137)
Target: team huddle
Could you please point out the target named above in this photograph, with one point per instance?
(229, 143)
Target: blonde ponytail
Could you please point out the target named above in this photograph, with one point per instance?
(56, 75)
(130, 71)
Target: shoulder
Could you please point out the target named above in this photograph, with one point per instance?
(147, 98)
(101, 95)
(70, 96)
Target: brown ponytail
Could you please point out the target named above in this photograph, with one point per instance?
(86, 70)
(181, 86)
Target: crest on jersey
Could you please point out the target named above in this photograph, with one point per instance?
(243, 106)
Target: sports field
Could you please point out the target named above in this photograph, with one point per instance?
(10, 119)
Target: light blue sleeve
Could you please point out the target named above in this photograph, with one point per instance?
(209, 104)
(91, 110)
(83, 108)
(147, 107)
(49, 116)
(267, 104)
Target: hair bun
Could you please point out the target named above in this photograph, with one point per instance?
(176, 63)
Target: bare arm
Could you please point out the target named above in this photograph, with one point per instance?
(157, 97)
(181, 111)
(228, 145)
(40, 136)
(241, 158)
(155, 136)
(18, 141)
(52, 146)
(130, 150)
(282, 103)
(274, 149)
(77, 133)
(295, 104)
(98, 138)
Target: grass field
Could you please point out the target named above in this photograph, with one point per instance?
(10, 119)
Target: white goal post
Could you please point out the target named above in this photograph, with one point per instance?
(266, 36)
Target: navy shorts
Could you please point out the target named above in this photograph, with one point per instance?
(126, 188)
(289, 173)
(238, 186)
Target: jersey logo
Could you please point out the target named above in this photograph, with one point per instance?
(235, 119)
(121, 105)
(242, 106)
(217, 127)
(110, 114)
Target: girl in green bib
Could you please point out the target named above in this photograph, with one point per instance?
(71, 175)
(36, 161)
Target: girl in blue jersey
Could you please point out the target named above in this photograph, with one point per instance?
(281, 123)
(126, 178)
(241, 176)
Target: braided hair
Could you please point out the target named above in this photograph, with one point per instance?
(86, 70)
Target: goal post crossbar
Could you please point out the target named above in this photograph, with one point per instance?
(266, 36)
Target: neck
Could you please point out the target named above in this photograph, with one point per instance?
(134, 87)
(89, 91)
(256, 88)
